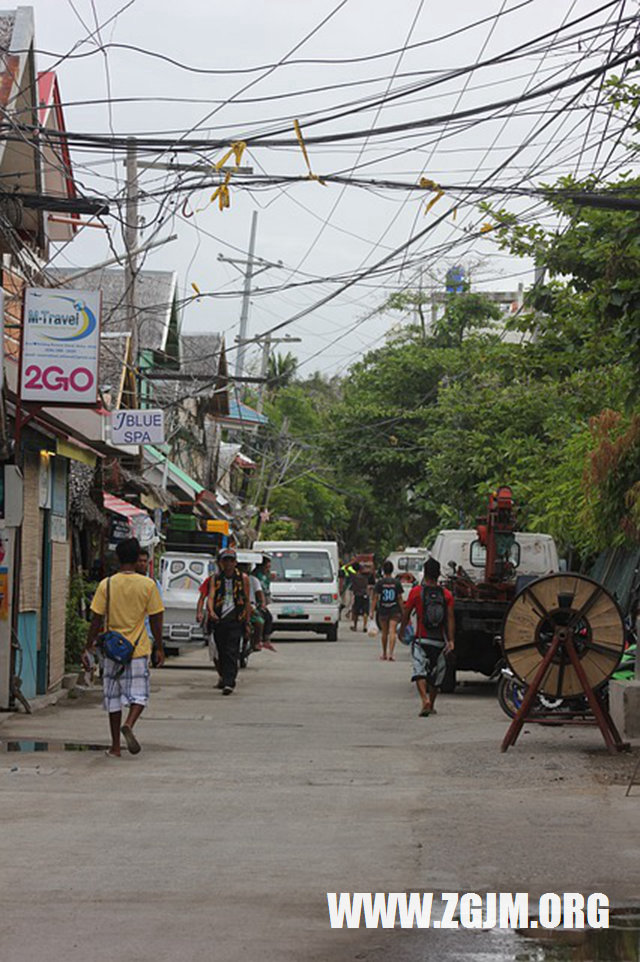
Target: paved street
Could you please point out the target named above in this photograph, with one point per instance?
(221, 839)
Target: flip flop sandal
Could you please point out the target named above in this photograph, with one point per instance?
(425, 712)
(110, 754)
(132, 742)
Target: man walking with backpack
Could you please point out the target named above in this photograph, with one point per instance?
(435, 634)
(229, 611)
(122, 604)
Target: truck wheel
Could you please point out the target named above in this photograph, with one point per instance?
(449, 682)
(332, 633)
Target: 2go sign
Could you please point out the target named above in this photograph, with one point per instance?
(60, 346)
(54, 379)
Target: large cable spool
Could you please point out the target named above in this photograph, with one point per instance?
(563, 606)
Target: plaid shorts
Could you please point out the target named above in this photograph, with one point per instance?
(123, 688)
(429, 661)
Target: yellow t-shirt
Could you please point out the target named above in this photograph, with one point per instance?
(131, 598)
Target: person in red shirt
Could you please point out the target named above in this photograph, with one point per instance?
(435, 634)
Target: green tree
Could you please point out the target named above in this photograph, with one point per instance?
(281, 370)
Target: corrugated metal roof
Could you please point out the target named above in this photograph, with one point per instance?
(241, 412)
(174, 471)
(155, 295)
(200, 353)
(7, 21)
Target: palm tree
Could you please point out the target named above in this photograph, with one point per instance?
(281, 370)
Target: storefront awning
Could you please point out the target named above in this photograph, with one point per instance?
(171, 474)
(123, 508)
(139, 525)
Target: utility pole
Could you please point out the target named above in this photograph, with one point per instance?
(264, 369)
(130, 235)
(420, 309)
(276, 473)
(246, 297)
(247, 268)
(267, 344)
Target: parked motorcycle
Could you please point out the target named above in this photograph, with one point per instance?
(511, 690)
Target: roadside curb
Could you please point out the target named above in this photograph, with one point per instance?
(40, 702)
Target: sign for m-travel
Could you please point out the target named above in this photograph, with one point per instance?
(60, 346)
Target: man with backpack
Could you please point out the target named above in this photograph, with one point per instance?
(435, 634)
(121, 605)
(229, 609)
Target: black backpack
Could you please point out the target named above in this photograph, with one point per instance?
(434, 607)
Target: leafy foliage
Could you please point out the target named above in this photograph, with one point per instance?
(76, 625)
(425, 426)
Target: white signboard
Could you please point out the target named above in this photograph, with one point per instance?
(137, 427)
(60, 346)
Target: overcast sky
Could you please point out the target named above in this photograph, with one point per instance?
(321, 231)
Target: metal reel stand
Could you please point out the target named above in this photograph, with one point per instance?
(563, 636)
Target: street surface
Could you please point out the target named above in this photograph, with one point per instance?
(222, 838)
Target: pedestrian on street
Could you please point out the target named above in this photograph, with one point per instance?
(344, 586)
(435, 634)
(142, 568)
(253, 628)
(122, 603)
(229, 610)
(387, 605)
(262, 572)
(203, 619)
(360, 605)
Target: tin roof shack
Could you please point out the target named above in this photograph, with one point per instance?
(194, 398)
(157, 321)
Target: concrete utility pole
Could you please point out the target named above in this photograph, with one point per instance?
(130, 235)
(276, 474)
(246, 297)
(247, 268)
(267, 344)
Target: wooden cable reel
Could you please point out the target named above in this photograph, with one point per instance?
(563, 636)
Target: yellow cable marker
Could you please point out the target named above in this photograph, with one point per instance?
(434, 200)
(312, 176)
(222, 194)
(195, 287)
(486, 228)
(455, 213)
(237, 149)
(427, 184)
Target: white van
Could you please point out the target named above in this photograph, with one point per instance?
(532, 554)
(181, 574)
(408, 565)
(304, 588)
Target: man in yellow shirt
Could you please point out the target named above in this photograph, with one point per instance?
(122, 603)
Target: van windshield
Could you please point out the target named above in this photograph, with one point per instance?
(301, 566)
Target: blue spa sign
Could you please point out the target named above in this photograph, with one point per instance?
(137, 427)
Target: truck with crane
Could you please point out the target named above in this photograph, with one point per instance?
(484, 568)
